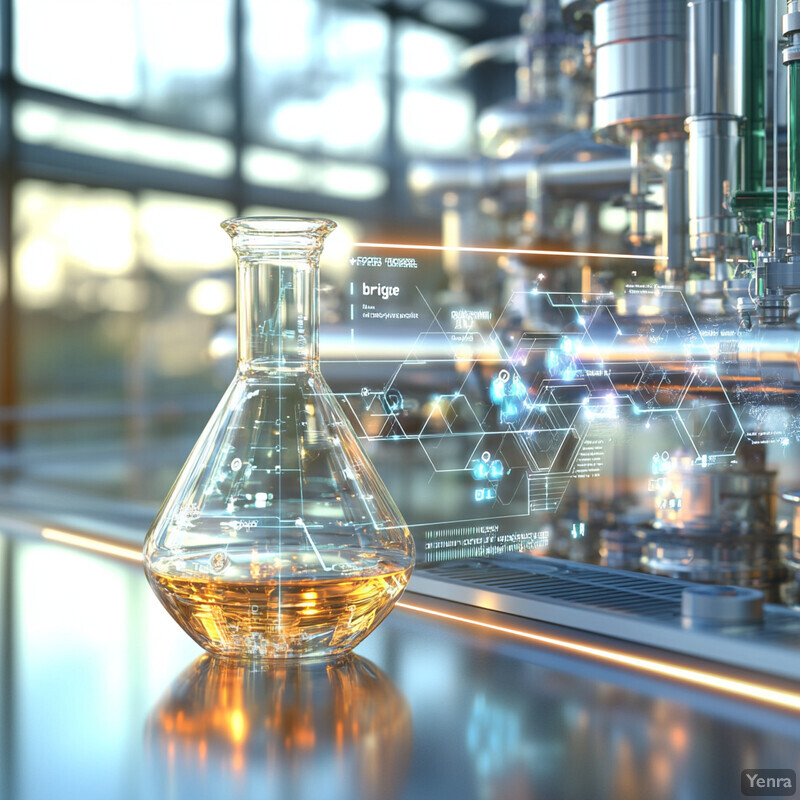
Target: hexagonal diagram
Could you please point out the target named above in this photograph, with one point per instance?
(499, 469)
(706, 419)
(658, 389)
(553, 421)
(450, 433)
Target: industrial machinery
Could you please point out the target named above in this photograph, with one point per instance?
(695, 344)
(617, 352)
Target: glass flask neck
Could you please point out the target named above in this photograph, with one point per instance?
(277, 280)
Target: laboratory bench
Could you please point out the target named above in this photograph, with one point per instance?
(104, 697)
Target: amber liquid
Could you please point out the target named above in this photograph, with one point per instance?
(277, 610)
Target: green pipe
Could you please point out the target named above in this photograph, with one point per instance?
(752, 202)
(754, 65)
(793, 137)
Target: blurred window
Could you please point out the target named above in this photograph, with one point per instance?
(435, 115)
(435, 121)
(316, 77)
(135, 127)
(172, 60)
(346, 179)
(428, 53)
(132, 142)
(107, 288)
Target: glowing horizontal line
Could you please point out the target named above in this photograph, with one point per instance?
(709, 680)
(439, 248)
(501, 250)
(87, 543)
(732, 260)
(451, 434)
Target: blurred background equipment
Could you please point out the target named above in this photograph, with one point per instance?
(584, 355)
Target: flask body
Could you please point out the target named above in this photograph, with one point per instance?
(278, 539)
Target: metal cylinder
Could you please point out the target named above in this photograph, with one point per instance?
(672, 156)
(640, 70)
(723, 501)
(722, 605)
(773, 309)
(716, 34)
(716, 525)
(791, 58)
(713, 155)
(716, 37)
(754, 102)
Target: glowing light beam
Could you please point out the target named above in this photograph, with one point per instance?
(510, 250)
(95, 545)
(707, 680)
(503, 250)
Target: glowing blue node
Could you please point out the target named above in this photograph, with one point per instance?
(578, 530)
(497, 391)
(480, 470)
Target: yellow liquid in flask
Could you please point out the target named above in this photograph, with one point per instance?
(258, 608)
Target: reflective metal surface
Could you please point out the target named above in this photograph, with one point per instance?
(714, 142)
(716, 28)
(104, 697)
(715, 107)
(641, 61)
(299, 728)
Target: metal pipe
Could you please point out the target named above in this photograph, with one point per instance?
(715, 107)
(754, 106)
(793, 141)
(712, 152)
(638, 191)
(671, 156)
(640, 85)
(575, 179)
(753, 203)
(763, 357)
(791, 58)
(611, 174)
(715, 34)
(432, 176)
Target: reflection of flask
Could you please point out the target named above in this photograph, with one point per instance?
(288, 730)
(278, 538)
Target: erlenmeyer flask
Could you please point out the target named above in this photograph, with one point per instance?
(278, 538)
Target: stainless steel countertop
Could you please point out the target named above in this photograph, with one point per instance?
(104, 697)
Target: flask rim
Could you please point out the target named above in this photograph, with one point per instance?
(278, 226)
